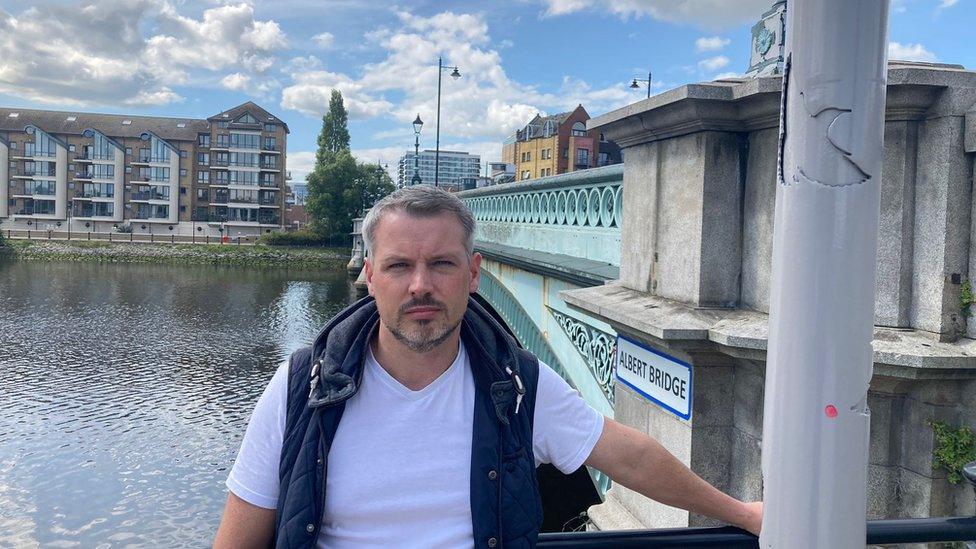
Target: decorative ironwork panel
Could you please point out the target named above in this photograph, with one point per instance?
(597, 347)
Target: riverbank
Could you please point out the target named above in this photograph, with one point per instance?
(181, 254)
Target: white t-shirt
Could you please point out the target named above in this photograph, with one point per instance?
(399, 468)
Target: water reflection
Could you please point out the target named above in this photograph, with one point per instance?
(125, 389)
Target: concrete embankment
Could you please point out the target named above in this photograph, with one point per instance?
(198, 254)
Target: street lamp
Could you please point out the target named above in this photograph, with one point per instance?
(418, 125)
(379, 181)
(635, 86)
(455, 74)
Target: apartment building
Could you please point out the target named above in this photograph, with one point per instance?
(457, 170)
(560, 143)
(225, 175)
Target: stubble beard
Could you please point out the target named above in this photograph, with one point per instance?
(421, 342)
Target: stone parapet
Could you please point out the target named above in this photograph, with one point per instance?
(699, 190)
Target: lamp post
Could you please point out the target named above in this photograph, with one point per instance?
(455, 74)
(635, 86)
(418, 125)
(379, 181)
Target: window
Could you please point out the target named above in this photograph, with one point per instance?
(247, 119)
(223, 124)
(128, 150)
(566, 153)
(71, 148)
(13, 145)
(203, 194)
(182, 172)
(270, 127)
(583, 157)
(203, 177)
(604, 159)
(579, 129)
(269, 162)
(101, 149)
(203, 139)
(245, 141)
(525, 174)
(270, 143)
(128, 169)
(182, 190)
(203, 159)
(182, 153)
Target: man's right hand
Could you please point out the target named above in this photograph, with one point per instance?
(244, 525)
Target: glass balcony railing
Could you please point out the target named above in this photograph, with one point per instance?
(149, 196)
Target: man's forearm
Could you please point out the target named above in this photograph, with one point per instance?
(662, 477)
(637, 461)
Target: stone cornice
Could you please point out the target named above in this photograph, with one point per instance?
(905, 354)
(752, 104)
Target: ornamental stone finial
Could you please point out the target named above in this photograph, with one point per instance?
(768, 42)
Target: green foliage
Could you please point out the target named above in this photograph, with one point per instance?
(339, 187)
(302, 237)
(334, 136)
(342, 190)
(954, 448)
(966, 298)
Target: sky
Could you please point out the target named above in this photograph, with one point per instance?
(517, 58)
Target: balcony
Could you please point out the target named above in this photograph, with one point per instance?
(149, 159)
(267, 183)
(83, 157)
(92, 194)
(268, 201)
(146, 195)
(30, 172)
(42, 194)
(265, 166)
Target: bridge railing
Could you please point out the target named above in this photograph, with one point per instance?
(577, 214)
(926, 530)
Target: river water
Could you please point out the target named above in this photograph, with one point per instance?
(125, 391)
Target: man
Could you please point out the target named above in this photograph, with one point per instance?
(415, 421)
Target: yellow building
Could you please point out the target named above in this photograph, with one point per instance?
(557, 144)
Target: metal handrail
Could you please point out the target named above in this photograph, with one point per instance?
(924, 530)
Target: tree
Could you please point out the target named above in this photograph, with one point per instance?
(334, 136)
(339, 186)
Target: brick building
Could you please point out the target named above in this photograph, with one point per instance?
(100, 172)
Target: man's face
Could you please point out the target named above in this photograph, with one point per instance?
(420, 274)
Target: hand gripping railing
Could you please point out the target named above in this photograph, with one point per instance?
(922, 530)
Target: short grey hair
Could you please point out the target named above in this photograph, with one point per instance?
(420, 201)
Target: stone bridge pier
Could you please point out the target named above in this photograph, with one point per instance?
(696, 244)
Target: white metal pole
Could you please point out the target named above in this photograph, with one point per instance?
(816, 421)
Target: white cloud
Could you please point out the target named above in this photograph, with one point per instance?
(910, 52)
(128, 52)
(300, 164)
(947, 4)
(484, 105)
(704, 13)
(236, 81)
(324, 40)
(725, 75)
(713, 64)
(713, 43)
